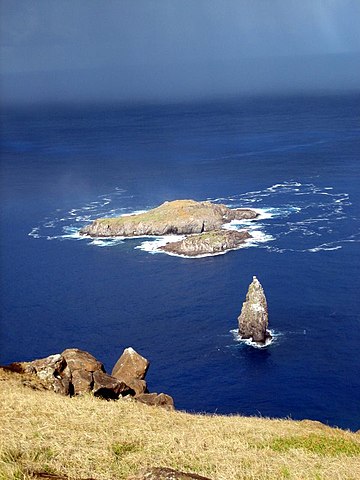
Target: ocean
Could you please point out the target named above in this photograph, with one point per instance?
(295, 159)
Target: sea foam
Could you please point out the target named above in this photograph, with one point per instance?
(246, 341)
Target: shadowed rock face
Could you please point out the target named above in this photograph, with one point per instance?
(179, 217)
(253, 320)
(213, 242)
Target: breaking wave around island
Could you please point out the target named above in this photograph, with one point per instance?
(289, 213)
(247, 341)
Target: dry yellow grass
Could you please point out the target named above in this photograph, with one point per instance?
(88, 437)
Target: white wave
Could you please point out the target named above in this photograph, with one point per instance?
(219, 199)
(282, 186)
(249, 342)
(263, 213)
(324, 248)
(258, 237)
(71, 233)
(237, 225)
(107, 242)
(153, 246)
(34, 232)
(255, 230)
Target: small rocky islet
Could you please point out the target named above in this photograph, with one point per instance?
(213, 242)
(254, 319)
(199, 222)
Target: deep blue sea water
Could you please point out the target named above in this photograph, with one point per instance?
(295, 158)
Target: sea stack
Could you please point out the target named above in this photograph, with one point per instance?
(253, 320)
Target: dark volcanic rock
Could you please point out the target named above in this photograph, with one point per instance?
(253, 320)
(156, 400)
(55, 476)
(179, 217)
(106, 386)
(80, 366)
(162, 473)
(214, 242)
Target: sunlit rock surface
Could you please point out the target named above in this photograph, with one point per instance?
(253, 320)
(214, 242)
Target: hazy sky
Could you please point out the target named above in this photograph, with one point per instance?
(129, 50)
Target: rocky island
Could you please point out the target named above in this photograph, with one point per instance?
(253, 320)
(203, 221)
(216, 241)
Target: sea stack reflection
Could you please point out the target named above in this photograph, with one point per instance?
(253, 320)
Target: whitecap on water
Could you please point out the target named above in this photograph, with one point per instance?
(324, 248)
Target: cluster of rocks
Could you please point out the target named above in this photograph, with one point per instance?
(253, 319)
(201, 222)
(76, 372)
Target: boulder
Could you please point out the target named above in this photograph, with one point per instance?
(50, 370)
(253, 320)
(162, 473)
(46, 368)
(208, 243)
(108, 387)
(156, 400)
(80, 366)
(131, 368)
(80, 360)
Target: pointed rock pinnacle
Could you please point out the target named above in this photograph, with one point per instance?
(253, 320)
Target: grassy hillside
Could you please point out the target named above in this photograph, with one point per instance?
(88, 437)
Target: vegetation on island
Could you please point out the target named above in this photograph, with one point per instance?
(178, 217)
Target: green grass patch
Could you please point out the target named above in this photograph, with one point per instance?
(12, 455)
(168, 212)
(314, 443)
(122, 449)
(42, 454)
